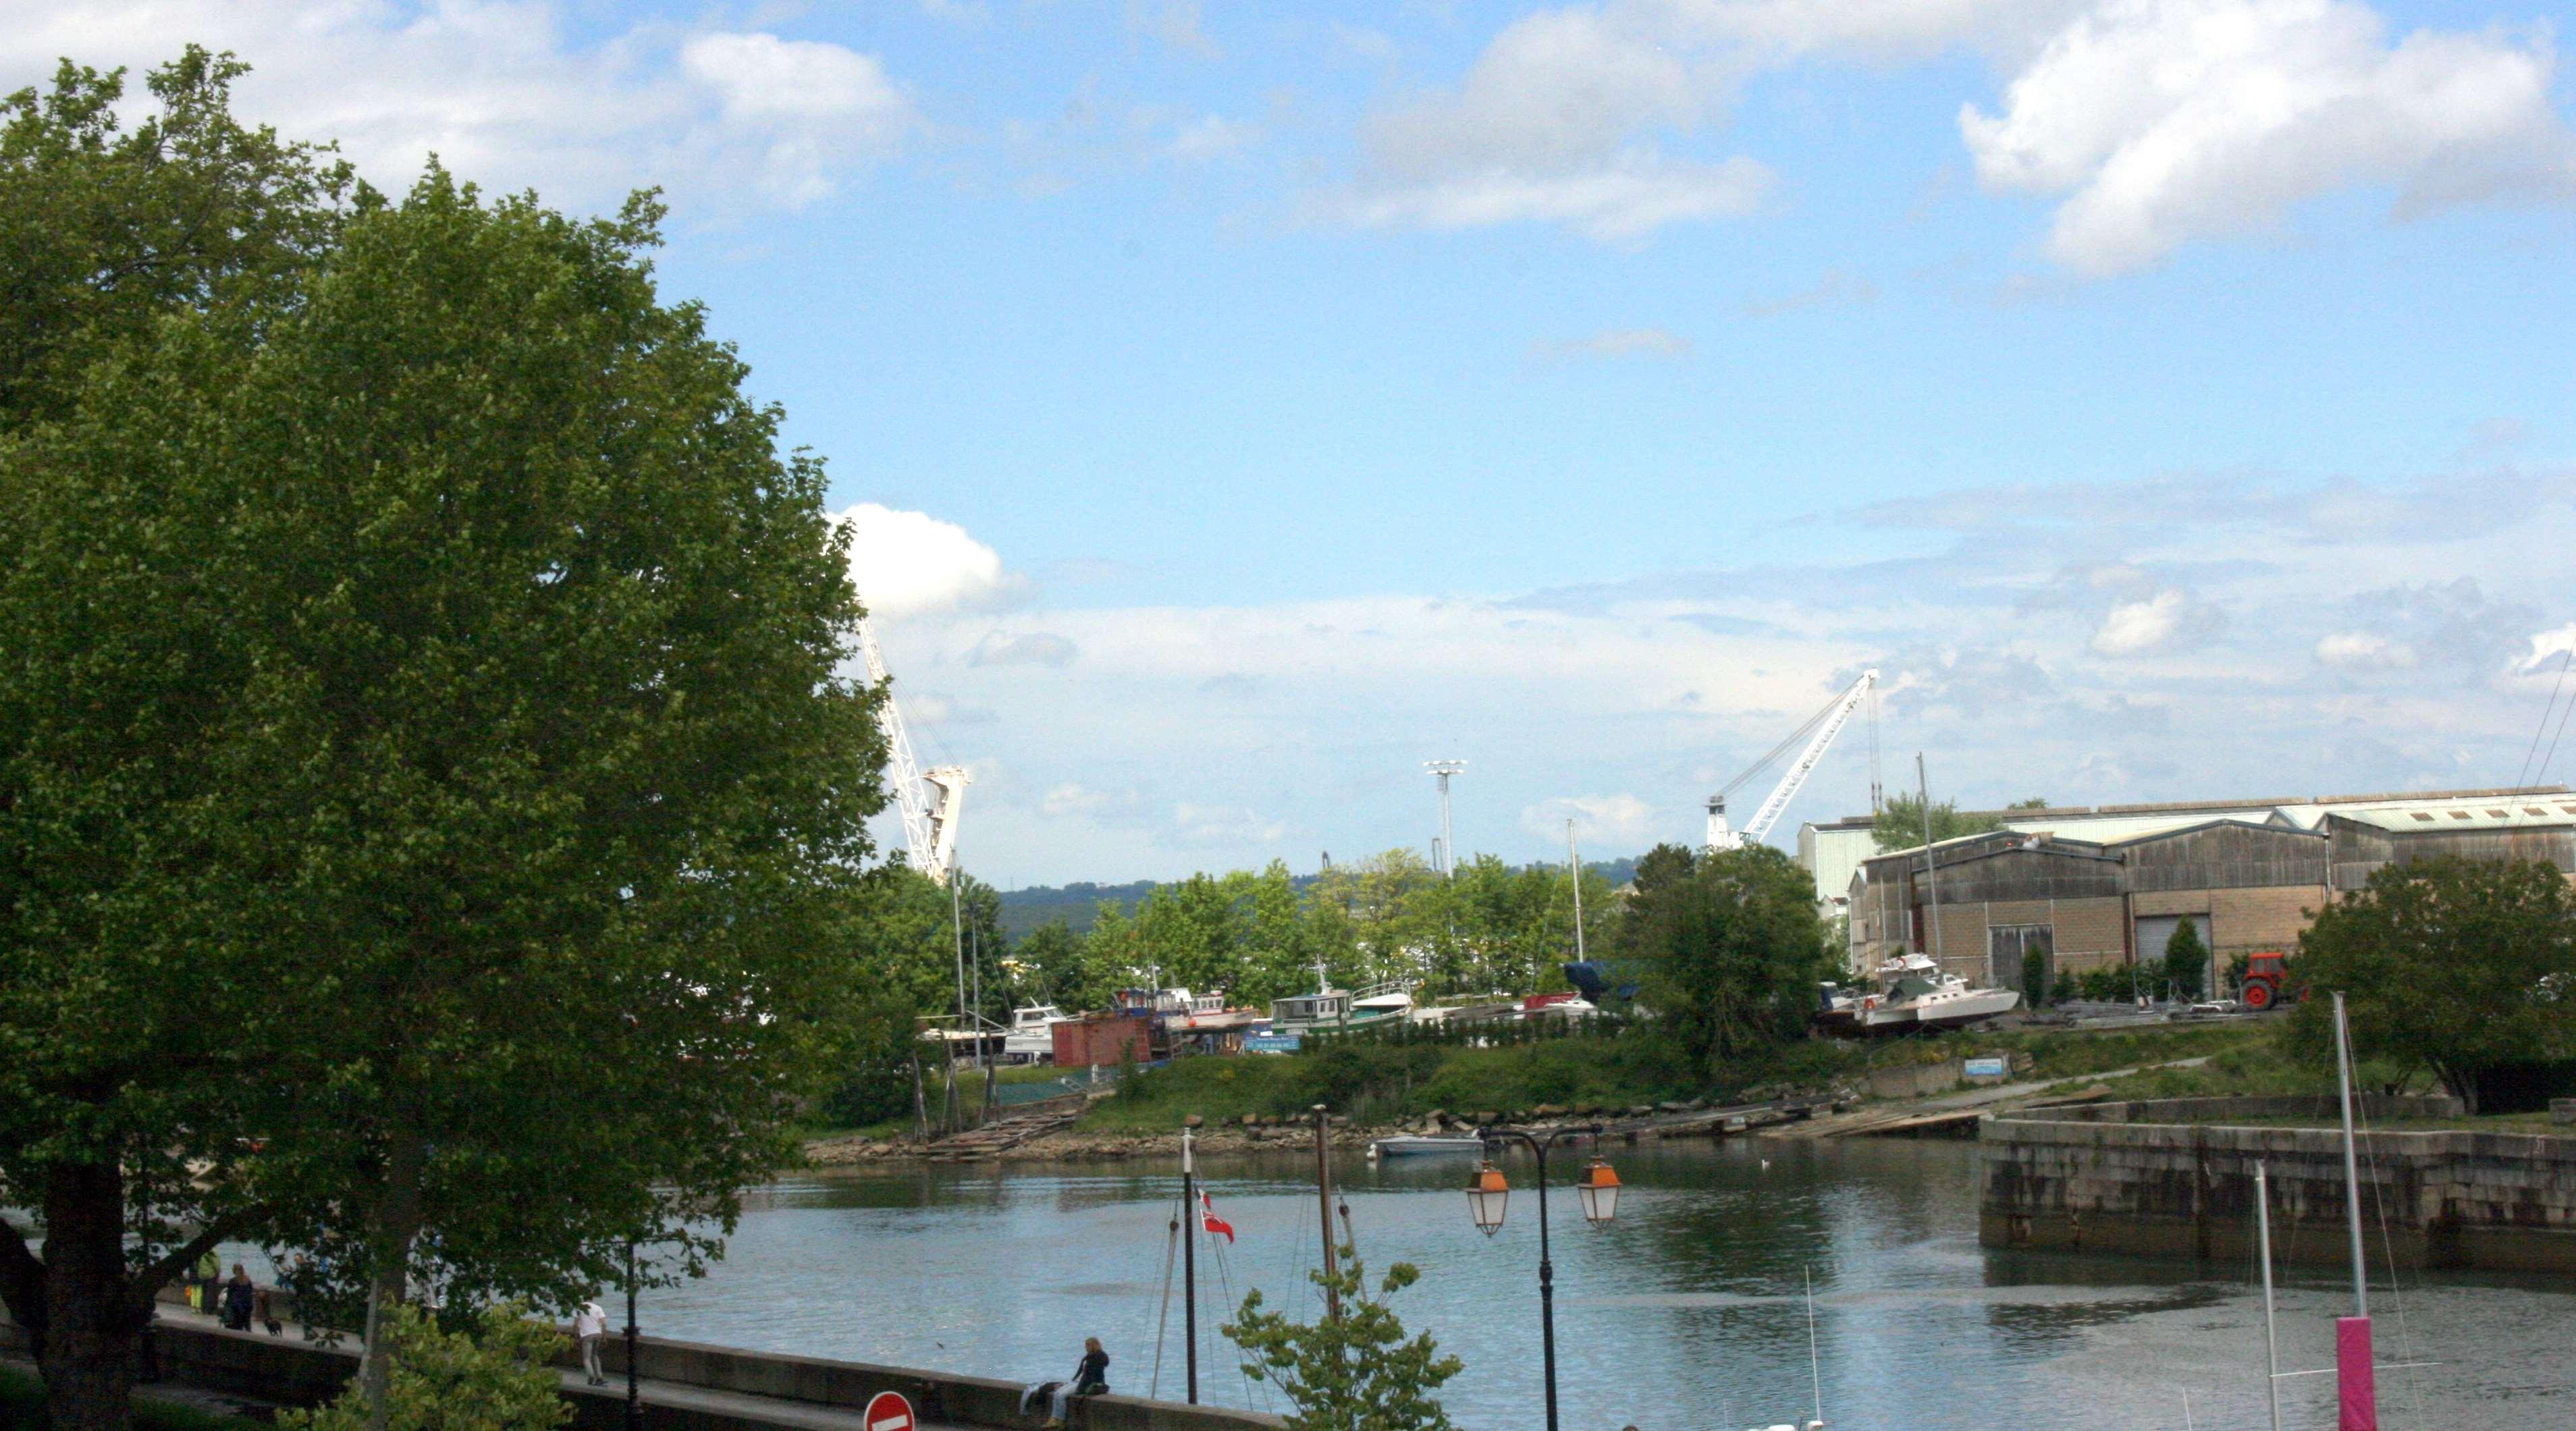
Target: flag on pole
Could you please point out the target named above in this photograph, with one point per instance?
(1210, 1221)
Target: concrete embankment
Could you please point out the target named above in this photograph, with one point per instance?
(2176, 1177)
(686, 1386)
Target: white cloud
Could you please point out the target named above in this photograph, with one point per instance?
(1615, 343)
(512, 94)
(1071, 799)
(1225, 825)
(1836, 288)
(2134, 628)
(1037, 648)
(1213, 136)
(1620, 821)
(2362, 651)
(914, 564)
(2157, 121)
(2163, 121)
(2546, 644)
(1176, 23)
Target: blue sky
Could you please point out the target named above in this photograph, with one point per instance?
(1243, 404)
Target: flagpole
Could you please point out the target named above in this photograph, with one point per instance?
(1190, 1257)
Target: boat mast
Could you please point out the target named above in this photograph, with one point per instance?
(2351, 1163)
(1931, 872)
(1574, 866)
(2271, 1337)
(1190, 1259)
(1324, 1204)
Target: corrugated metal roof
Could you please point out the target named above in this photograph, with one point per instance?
(2502, 815)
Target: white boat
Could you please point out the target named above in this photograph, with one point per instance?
(1031, 1038)
(1414, 1147)
(1331, 1009)
(1913, 993)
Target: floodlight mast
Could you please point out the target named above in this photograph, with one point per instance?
(1447, 861)
(930, 800)
(1829, 723)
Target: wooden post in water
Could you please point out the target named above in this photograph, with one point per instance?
(1324, 1204)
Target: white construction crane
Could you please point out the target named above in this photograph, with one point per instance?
(1826, 724)
(930, 799)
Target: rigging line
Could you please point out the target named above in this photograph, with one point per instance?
(2388, 1249)
(1225, 1280)
(1794, 737)
(2554, 687)
(1171, 1243)
(2552, 752)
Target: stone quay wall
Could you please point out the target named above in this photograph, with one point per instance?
(2175, 1178)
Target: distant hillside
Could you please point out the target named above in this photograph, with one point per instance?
(1078, 904)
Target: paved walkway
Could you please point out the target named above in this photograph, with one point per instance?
(1843, 1125)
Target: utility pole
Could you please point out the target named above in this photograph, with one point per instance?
(1447, 854)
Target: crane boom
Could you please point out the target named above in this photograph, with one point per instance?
(930, 800)
(1835, 716)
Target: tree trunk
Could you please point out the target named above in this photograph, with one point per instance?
(396, 1223)
(90, 1322)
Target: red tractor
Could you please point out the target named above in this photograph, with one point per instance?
(2267, 980)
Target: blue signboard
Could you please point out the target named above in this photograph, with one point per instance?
(1270, 1043)
(1987, 1068)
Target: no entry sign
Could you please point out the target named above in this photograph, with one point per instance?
(888, 1411)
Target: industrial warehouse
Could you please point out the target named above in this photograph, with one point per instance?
(2094, 887)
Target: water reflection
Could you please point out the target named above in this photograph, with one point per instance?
(1691, 1312)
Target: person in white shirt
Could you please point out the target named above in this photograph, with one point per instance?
(589, 1325)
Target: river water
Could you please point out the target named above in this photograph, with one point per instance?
(1687, 1313)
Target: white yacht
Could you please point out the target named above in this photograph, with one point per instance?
(1913, 993)
(1031, 1038)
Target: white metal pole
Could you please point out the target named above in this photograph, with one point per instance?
(1574, 867)
(1931, 871)
(2271, 1336)
(2351, 1162)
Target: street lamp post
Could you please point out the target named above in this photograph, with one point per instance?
(1488, 1198)
(634, 1392)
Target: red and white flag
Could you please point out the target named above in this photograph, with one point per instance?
(1210, 1221)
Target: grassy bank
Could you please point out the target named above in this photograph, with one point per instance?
(1385, 1083)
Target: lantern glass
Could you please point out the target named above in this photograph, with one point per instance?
(1487, 1198)
(1599, 1191)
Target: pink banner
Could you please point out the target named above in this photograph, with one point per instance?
(2353, 1375)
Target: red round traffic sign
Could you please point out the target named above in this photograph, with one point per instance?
(888, 1411)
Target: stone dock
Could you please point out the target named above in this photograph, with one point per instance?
(2176, 1178)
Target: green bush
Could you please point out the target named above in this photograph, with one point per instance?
(498, 1377)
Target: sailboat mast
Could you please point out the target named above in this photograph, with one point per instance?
(2271, 1337)
(1574, 866)
(2351, 1162)
(1190, 1259)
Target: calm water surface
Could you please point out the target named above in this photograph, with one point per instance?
(1687, 1314)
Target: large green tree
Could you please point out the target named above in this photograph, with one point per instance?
(1900, 823)
(2452, 965)
(126, 1088)
(504, 658)
(1732, 952)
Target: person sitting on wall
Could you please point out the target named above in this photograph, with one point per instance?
(1091, 1378)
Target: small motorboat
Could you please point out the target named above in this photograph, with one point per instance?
(1415, 1147)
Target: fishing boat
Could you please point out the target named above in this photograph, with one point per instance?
(1913, 993)
(1416, 1147)
(1330, 1010)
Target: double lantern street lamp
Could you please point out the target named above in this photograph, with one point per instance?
(1491, 1194)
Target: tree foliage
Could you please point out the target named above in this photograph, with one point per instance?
(1734, 949)
(497, 1376)
(1354, 1372)
(126, 1087)
(2452, 965)
(2186, 961)
(1899, 825)
(430, 794)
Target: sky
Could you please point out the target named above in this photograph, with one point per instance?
(1236, 406)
